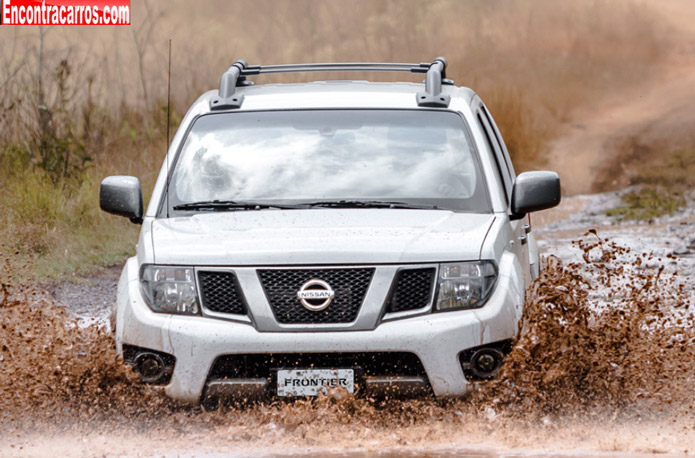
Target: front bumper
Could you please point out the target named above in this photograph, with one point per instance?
(197, 342)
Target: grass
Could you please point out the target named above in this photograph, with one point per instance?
(54, 220)
(78, 104)
(663, 180)
(648, 203)
(677, 172)
(59, 225)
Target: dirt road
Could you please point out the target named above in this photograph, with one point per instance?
(659, 108)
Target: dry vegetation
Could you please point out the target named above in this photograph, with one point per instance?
(78, 104)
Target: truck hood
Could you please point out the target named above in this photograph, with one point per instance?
(319, 236)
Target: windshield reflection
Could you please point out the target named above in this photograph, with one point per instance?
(294, 156)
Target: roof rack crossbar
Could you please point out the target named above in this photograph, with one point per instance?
(327, 67)
(236, 76)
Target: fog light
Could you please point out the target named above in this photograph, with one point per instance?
(486, 362)
(149, 366)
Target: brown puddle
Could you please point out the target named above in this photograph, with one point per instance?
(605, 362)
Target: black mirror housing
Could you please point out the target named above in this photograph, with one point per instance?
(122, 195)
(534, 191)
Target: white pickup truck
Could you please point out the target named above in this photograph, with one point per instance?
(329, 235)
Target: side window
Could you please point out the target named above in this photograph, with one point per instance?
(507, 158)
(498, 154)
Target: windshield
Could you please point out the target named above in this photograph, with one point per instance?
(412, 157)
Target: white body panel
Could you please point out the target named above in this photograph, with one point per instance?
(319, 236)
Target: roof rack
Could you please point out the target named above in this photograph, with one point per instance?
(236, 75)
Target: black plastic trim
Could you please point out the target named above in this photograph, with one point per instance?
(505, 346)
(130, 352)
(389, 304)
(204, 292)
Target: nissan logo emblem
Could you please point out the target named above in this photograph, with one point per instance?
(315, 295)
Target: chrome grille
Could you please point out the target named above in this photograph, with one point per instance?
(412, 290)
(219, 292)
(350, 287)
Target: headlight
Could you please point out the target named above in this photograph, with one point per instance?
(465, 285)
(169, 289)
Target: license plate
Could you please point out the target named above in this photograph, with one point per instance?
(311, 382)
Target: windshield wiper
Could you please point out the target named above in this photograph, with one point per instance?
(234, 205)
(367, 204)
(251, 205)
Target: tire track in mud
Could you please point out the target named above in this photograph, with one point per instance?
(605, 362)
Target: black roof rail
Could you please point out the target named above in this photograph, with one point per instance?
(236, 75)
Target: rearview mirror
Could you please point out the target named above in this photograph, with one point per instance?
(535, 191)
(122, 195)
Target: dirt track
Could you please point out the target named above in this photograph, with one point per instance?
(658, 108)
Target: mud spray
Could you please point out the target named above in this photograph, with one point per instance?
(605, 362)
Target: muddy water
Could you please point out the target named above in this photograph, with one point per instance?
(605, 364)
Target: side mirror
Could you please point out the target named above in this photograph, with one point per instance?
(122, 195)
(535, 191)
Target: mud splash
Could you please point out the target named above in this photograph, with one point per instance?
(613, 334)
(56, 367)
(608, 341)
